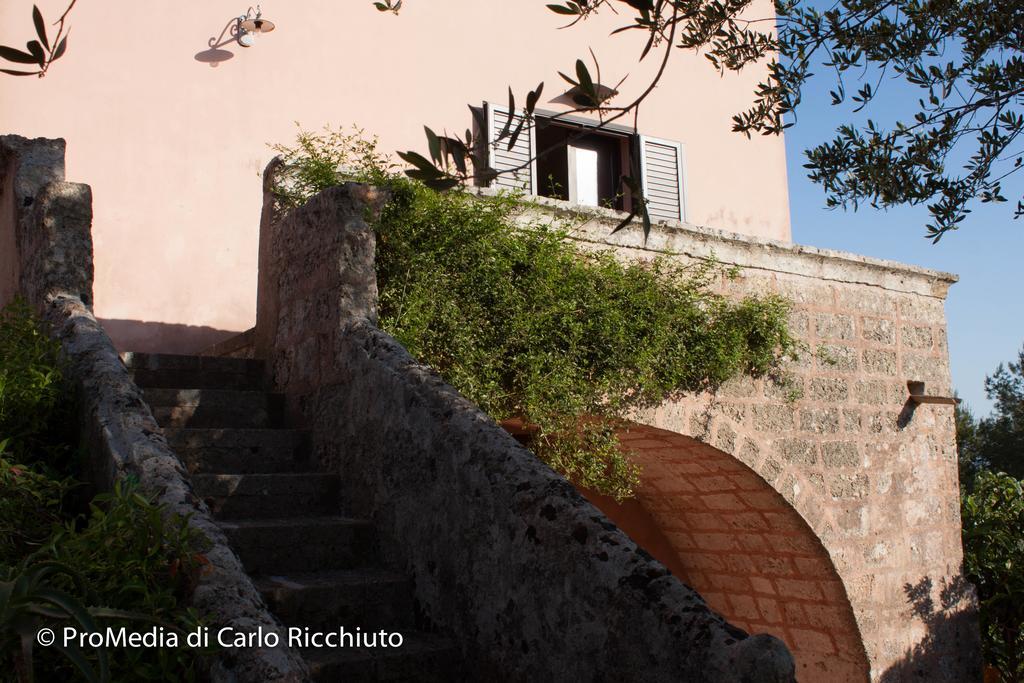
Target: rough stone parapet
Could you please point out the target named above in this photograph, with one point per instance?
(532, 580)
(54, 261)
(536, 582)
(124, 441)
(26, 167)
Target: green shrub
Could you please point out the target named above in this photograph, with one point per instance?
(136, 558)
(30, 508)
(30, 381)
(527, 325)
(323, 159)
(993, 535)
(127, 561)
(30, 600)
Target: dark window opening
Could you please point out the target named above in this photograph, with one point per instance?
(583, 167)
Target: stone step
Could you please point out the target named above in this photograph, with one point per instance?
(367, 598)
(241, 451)
(423, 658)
(215, 408)
(300, 544)
(194, 372)
(259, 496)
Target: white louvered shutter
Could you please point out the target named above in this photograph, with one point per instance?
(662, 169)
(501, 158)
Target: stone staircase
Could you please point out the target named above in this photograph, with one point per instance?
(314, 566)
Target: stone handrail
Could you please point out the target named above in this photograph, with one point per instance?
(531, 580)
(47, 222)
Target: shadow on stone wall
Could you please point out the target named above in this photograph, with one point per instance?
(152, 337)
(951, 641)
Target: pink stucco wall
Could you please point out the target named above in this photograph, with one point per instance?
(173, 147)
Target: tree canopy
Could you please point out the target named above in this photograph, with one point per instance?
(996, 442)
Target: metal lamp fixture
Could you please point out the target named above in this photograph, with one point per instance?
(249, 26)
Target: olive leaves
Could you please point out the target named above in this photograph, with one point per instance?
(41, 52)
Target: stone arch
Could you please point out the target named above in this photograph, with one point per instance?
(731, 536)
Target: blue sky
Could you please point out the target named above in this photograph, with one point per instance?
(985, 309)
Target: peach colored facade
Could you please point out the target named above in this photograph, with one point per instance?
(173, 146)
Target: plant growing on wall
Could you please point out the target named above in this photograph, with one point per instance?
(528, 325)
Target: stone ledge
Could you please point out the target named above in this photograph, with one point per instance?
(238, 346)
(699, 242)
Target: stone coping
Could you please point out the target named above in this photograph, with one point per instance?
(700, 242)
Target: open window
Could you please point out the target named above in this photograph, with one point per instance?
(568, 158)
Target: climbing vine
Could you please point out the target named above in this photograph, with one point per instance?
(528, 325)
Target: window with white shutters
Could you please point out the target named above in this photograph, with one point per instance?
(584, 162)
(520, 157)
(661, 165)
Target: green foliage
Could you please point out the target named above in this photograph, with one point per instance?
(997, 442)
(529, 326)
(128, 561)
(30, 380)
(136, 558)
(991, 457)
(326, 158)
(993, 520)
(30, 508)
(30, 600)
(131, 551)
(1000, 437)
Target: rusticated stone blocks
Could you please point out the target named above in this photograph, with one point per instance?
(872, 474)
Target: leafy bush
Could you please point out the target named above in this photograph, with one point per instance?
(30, 381)
(29, 601)
(30, 508)
(129, 563)
(528, 326)
(135, 558)
(993, 520)
(128, 560)
(320, 160)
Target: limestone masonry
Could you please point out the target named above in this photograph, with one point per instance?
(810, 522)
(872, 474)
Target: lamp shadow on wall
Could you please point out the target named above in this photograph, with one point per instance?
(949, 622)
(154, 337)
(214, 55)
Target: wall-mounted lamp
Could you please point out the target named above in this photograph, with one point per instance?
(249, 26)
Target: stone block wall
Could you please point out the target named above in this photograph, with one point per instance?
(531, 580)
(871, 473)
